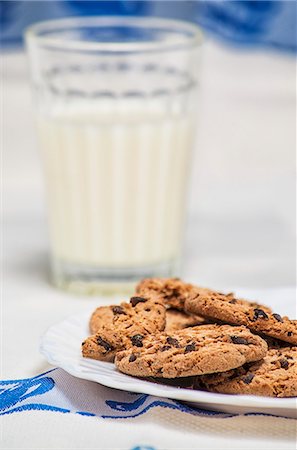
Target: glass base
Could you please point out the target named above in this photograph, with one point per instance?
(86, 280)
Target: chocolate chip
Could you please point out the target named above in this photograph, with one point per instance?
(166, 347)
(132, 358)
(118, 310)
(277, 317)
(172, 341)
(284, 363)
(233, 301)
(248, 378)
(259, 313)
(239, 340)
(289, 333)
(137, 340)
(190, 348)
(135, 300)
(106, 345)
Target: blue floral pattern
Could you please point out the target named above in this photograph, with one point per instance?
(13, 393)
(57, 391)
(46, 392)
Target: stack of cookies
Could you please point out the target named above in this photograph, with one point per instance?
(171, 331)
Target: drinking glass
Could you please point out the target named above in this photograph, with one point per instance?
(116, 100)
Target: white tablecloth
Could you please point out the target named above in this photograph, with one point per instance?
(160, 429)
(241, 234)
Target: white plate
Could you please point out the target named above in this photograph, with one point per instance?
(61, 346)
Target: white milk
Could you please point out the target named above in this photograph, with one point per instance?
(116, 184)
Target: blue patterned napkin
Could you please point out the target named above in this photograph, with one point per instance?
(58, 391)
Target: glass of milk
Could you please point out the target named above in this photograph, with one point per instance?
(116, 102)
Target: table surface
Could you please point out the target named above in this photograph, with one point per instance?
(241, 229)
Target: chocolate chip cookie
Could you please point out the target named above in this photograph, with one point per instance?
(178, 320)
(193, 351)
(226, 308)
(101, 317)
(130, 323)
(274, 376)
(172, 290)
(175, 320)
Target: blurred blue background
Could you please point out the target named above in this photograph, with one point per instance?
(270, 24)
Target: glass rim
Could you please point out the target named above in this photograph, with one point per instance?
(145, 22)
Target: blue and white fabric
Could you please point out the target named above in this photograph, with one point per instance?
(57, 391)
